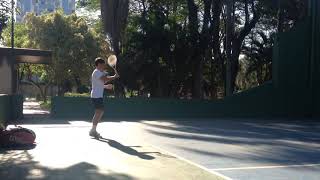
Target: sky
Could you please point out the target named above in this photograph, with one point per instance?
(79, 11)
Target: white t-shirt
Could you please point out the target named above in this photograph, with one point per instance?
(97, 84)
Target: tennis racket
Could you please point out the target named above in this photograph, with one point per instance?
(112, 62)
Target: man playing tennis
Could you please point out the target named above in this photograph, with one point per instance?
(98, 79)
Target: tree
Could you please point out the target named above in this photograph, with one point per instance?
(114, 17)
(259, 53)
(73, 43)
(155, 47)
(238, 35)
(27, 72)
(74, 46)
(174, 47)
(4, 14)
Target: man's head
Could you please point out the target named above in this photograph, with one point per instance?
(100, 63)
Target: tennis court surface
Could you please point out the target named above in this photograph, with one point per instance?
(169, 149)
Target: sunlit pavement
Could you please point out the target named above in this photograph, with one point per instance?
(65, 151)
(33, 108)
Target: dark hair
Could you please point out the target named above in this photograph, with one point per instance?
(98, 61)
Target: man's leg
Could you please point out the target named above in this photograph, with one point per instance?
(98, 104)
(96, 118)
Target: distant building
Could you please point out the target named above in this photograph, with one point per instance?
(42, 6)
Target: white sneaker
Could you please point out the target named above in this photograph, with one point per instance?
(94, 133)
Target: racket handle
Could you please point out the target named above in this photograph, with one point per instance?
(116, 72)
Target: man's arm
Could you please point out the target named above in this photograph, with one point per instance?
(109, 78)
(108, 86)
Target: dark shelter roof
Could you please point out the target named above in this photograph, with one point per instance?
(33, 56)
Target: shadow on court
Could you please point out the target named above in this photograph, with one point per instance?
(231, 146)
(217, 144)
(47, 119)
(292, 141)
(127, 149)
(15, 147)
(21, 165)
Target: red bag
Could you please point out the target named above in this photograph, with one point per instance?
(17, 137)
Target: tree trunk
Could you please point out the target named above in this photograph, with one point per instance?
(78, 82)
(260, 75)
(204, 53)
(196, 60)
(229, 37)
(217, 61)
(236, 49)
(280, 17)
(114, 16)
(38, 86)
(45, 91)
(159, 86)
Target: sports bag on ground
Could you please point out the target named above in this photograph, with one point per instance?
(17, 137)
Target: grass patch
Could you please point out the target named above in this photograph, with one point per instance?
(76, 95)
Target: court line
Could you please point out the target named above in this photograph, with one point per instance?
(265, 167)
(192, 163)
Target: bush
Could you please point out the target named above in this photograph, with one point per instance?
(83, 89)
(76, 95)
(45, 105)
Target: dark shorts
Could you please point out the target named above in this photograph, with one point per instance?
(97, 103)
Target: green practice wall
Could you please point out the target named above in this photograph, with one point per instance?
(257, 102)
(291, 71)
(11, 108)
(4, 109)
(315, 56)
(17, 107)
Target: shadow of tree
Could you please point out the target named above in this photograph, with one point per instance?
(294, 130)
(16, 165)
(271, 141)
(284, 156)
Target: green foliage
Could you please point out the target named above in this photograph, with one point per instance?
(167, 47)
(77, 95)
(74, 44)
(91, 5)
(45, 105)
(159, 50)
(4, 14)
(154, 47)
(21, 38)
